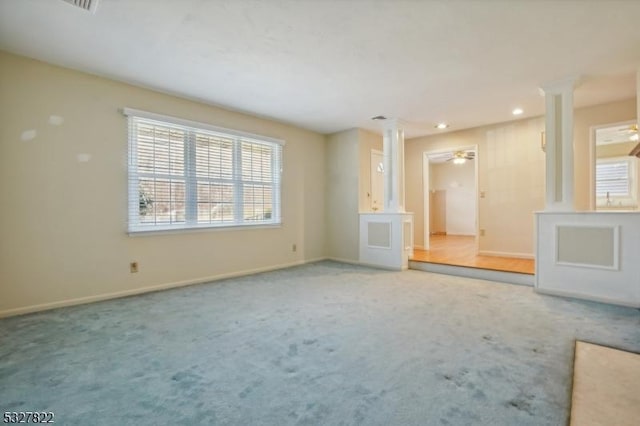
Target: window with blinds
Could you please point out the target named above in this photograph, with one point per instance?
(613, 179)
(191, 175)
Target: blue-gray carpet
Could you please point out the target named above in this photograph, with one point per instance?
(320, 344)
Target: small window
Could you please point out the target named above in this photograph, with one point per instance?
(613, 178)
(185, 175)
(616, 182)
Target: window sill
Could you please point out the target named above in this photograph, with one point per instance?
(169, 231)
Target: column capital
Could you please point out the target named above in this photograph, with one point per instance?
(394, 123)
(568, 83)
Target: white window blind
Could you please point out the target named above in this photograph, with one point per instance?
(192, 175)
(613, 178)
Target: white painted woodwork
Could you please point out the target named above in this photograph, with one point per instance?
(393, 160)
(587, 246)
(386, 240)
(559, 144)
(597, 259)
(379, 234)
(399, 224)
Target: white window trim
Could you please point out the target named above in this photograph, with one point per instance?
(193, 227)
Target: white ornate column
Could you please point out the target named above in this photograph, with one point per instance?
(386, 238)
(393, 155)
(559, 144)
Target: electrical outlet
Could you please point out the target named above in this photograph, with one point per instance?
(294, 247)
(482, 194)
(133, 267)
(482, 232)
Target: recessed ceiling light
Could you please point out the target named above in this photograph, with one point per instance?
(379, 117)
(441, 126)
(517, 111)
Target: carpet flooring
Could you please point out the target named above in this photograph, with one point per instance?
(319, 344)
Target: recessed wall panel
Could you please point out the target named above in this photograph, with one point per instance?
(590, 246)
(379, 234)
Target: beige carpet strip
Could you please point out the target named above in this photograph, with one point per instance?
(606, 387)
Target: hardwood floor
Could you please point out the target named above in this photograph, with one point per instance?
(461, 251)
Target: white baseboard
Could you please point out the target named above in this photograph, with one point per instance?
(506, 254)
(590, 298)
(358, 263)
(341, 260)
(149, 289)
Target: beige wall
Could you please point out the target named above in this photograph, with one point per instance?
(618, 149)
(342, 176)
(511, 173)
(63, 222)
(348, 174)
(367, 141)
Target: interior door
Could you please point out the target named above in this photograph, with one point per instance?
(377, 181)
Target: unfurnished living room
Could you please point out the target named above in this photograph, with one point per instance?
(356, 212)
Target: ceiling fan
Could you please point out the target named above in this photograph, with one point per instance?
(633, 132)
(460, 157)
(630, 131)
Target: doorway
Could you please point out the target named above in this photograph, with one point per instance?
(450, 194)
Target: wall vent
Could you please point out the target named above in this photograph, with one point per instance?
(88, 5)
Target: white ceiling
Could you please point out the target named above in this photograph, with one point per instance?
(332, 65)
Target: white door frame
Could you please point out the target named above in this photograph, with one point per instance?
(425, 191)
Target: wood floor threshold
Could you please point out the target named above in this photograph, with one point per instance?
(475, 273)
(462, 251)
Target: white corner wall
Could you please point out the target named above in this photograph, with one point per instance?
(63, 222)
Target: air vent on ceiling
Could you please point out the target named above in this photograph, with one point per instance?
(88, 5)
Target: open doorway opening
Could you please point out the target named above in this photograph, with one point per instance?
(451, 202)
